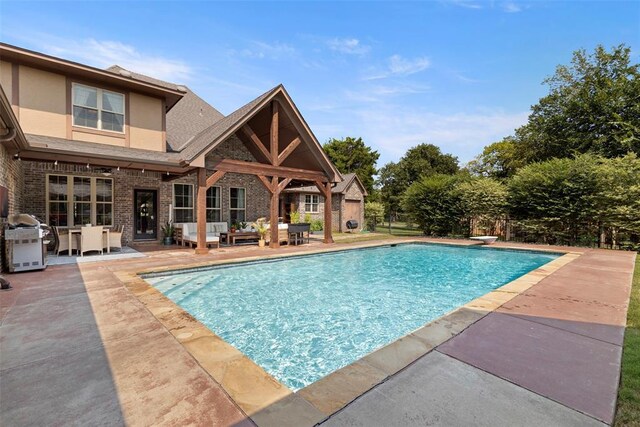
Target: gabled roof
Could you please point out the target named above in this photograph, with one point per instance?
(194, 128)
(208, 138)
(339, 188)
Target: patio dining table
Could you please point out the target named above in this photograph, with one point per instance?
(73, 231)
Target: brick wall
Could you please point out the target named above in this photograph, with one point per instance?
(126, 181)
(258, 198)
(338, 208)
(10, 177)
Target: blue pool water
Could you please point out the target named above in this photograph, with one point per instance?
(301, 318)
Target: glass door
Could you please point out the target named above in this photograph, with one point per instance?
(145, 214)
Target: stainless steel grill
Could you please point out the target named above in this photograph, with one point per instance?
(25, 243)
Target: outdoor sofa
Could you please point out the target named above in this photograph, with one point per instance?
(187, 232)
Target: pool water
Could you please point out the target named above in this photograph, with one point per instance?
(301, 318)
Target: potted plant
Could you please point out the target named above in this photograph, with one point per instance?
(262, 230)
(234, 227)
(167, 232)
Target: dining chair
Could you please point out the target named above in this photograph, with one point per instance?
(91, 239)
(62, 241)
(115, 237)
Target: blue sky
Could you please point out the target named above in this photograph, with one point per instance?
(459, 74)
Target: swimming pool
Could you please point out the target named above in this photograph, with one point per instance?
(301, 318)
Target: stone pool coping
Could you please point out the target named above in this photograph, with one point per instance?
(268, 402)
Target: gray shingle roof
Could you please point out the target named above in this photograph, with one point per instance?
(339, 188)
(190, 150)
(194, 146)
(102, 150)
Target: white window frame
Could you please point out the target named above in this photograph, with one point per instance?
(71, 203)
(99, 108)
(176, 208)
(219, 209)
(244, 204)
(309, 205)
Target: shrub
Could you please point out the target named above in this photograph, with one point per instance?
(373, 214)
(316, 225)
(434, 204)
(483, 200)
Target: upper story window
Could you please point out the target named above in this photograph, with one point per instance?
(98, 108)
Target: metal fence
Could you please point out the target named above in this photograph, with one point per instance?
(586, 234)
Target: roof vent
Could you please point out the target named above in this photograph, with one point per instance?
(181, 89)
(125, 73)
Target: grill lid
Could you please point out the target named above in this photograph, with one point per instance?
(23, 221)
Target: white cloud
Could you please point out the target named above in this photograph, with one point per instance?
(511, 7)
(106, 53)
(392, 129)
(404, 67)
(399, 66)
(264, 50)
(350, 46)
(462, 134)
(467, 4)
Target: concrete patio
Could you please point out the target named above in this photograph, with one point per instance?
(78, 347)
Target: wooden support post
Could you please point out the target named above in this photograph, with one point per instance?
(328, 232)
(201, 248)
(274, 133)
(325, 189)
(273, 221)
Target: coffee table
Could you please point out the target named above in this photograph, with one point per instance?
(231, 238)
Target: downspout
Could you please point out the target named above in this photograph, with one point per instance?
(11, 134)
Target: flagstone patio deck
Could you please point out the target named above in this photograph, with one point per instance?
(78, 347)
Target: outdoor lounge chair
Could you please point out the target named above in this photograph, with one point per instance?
(91, 239)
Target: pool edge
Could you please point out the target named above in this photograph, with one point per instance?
(269, 402)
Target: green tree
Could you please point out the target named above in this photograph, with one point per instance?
(425, 160)
(593, 107)
(421, 160)
(434, 204)
(498, 160)
(391, 186)
(353, 156)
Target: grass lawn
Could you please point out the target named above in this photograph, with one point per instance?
(628, 411)
(399, 229)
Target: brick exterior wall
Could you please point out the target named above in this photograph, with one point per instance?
(10, 177)
(338, 207)
(126, 181)
(258, 198)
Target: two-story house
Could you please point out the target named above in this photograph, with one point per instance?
(113, 147)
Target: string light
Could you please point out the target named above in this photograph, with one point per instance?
(87, 165)
(167, 173)
(118, 168)
(142, 170)
(55, 163)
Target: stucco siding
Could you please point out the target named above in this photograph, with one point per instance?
(145, 123)
(42, 100)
